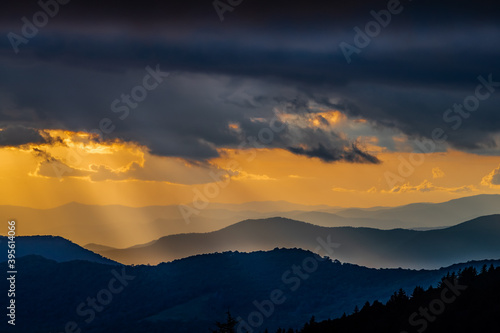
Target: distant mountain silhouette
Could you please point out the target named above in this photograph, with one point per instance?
(473, 240)
(54, 248)
(269, 206)
(189, 295)
(326, 219)
(98, 248)
(121, 226)
(430, 214)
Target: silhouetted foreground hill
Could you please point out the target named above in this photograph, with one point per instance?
(189, 295)
(53, 247)
(469, 303)
(477, 239)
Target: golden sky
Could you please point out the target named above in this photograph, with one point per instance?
(74, 167)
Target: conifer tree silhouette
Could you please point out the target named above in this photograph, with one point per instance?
(228, 327)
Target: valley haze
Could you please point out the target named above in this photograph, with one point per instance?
(250, 166)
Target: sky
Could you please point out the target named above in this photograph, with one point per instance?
(157, 103)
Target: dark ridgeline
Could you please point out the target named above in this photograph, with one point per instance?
(464, 302)
(191, 294)
(54, 248)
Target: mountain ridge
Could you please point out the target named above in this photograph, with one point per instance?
(161, 298)
(369, 247)
(55, 248)
(121, 226)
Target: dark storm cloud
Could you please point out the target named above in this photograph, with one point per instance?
(263, 56)
(352, 154)
(12, 136)
(320, 63)
(256, 12)
(282, 39)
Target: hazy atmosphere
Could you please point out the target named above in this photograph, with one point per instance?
(233, 139)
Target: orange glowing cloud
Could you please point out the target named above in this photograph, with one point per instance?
(492, 180)
(77, 166)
